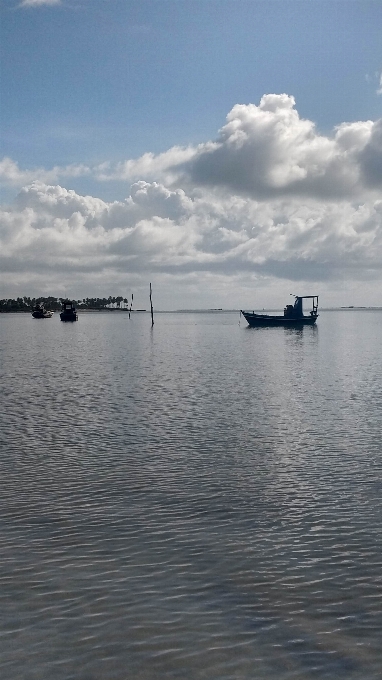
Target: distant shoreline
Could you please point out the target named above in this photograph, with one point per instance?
(96, 310)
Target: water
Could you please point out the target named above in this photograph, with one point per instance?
(200, 500)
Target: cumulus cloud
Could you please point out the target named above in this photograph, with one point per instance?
(270, 198)
(263, 151)
(149, 165)
(268, 151)
(12, 175)
(379, 76)
(371, 158)
(52, 232)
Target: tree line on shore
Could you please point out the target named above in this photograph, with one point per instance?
(26, 304)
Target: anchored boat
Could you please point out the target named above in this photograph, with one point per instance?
(293, 315)
(68, 312)
(39, 312)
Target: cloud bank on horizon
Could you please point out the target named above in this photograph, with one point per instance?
(269, 199)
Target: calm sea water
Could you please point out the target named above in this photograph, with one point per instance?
(200, 500)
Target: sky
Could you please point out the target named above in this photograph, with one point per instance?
(227, 151)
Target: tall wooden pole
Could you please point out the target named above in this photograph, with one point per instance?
(131, 304)
(151, 306)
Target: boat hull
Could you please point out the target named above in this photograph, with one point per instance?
(263, 320)
(42, 315)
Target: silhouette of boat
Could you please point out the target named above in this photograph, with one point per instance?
(293, 315)
(68, 312)
(39, 312)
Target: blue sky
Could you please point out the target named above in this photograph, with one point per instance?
(96, 84)
(109, 79)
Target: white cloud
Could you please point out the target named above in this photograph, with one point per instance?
(265, 151)
(12, 175)
(149, 165)
(379, 76)
(39, 3)
(268, 151)
(51, 233)
(271, 198)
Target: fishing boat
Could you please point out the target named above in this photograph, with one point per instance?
(293, 314)
(39, 312)
(68, 312)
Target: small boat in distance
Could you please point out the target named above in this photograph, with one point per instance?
(39, 311)
(293, 315)
(68, 312)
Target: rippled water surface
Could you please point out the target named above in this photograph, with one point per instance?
(200, 500)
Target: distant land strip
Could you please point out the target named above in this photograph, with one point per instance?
(26, 304)
(119, 303)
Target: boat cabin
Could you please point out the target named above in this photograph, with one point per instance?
(296, 312)
(68, 312)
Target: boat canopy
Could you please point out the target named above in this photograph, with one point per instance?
(296, 311)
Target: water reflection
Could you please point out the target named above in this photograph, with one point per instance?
(190, 500)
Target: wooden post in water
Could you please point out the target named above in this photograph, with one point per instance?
(151, 307)
(131, 304)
